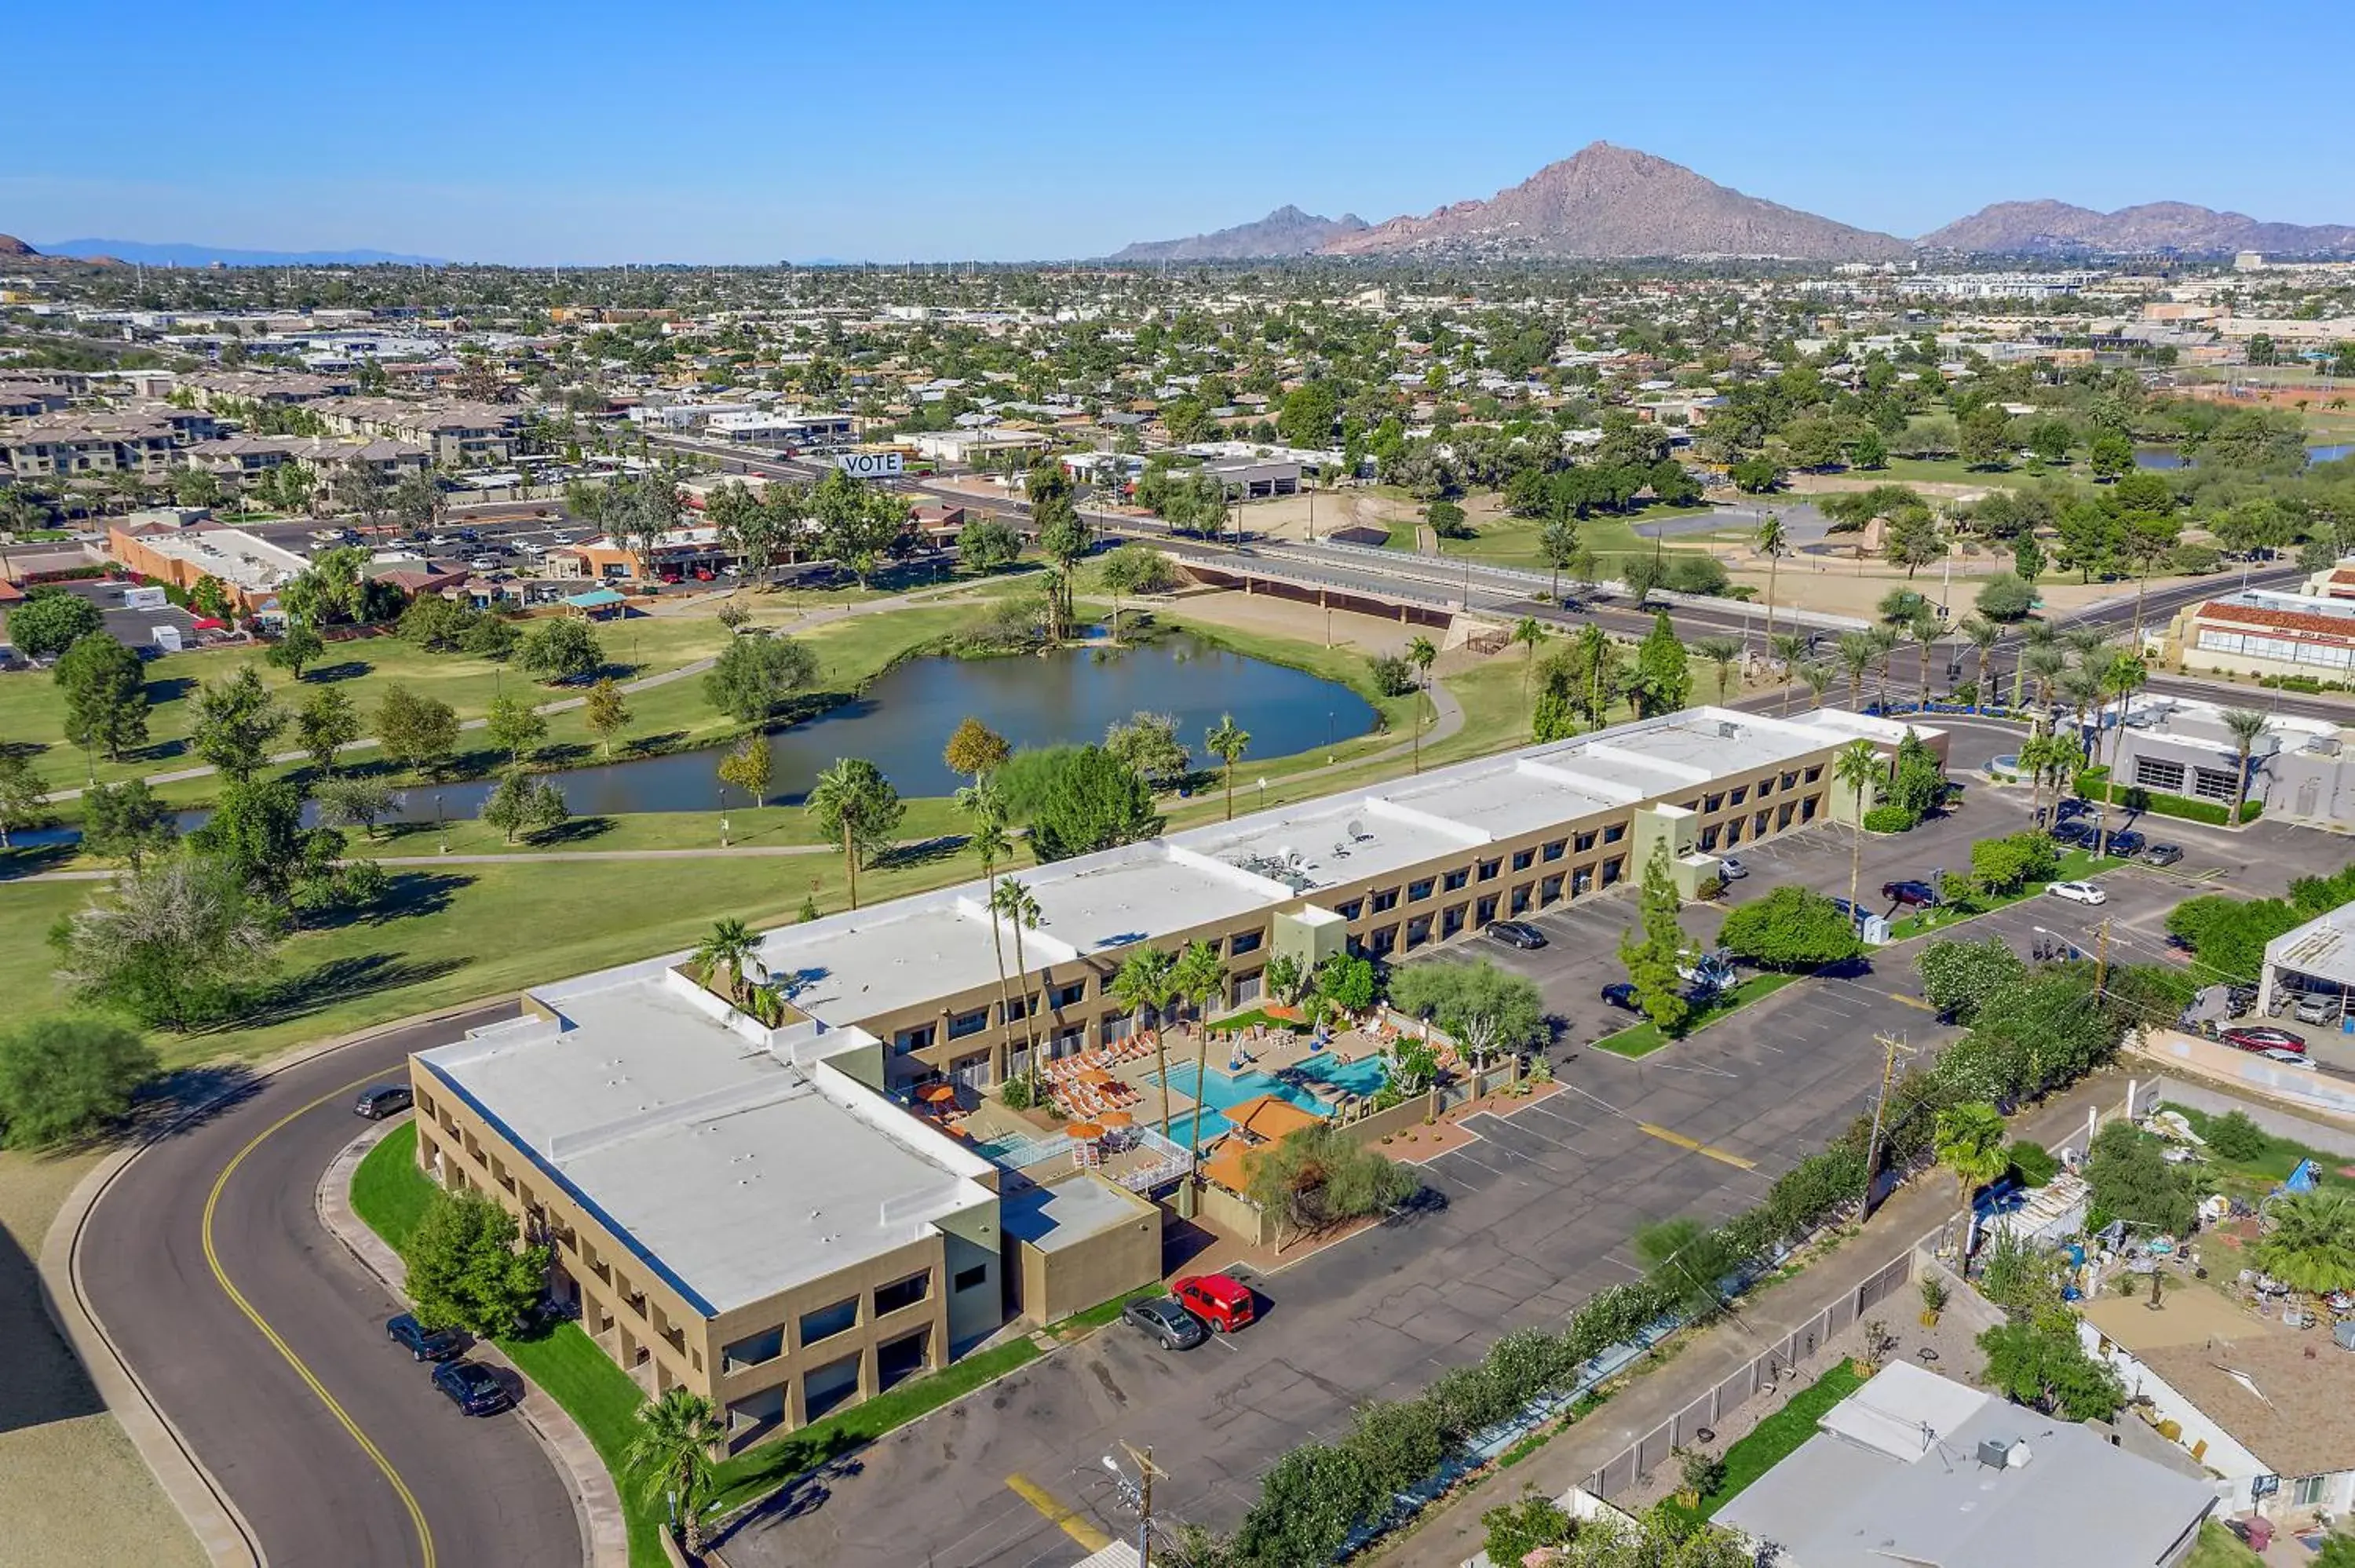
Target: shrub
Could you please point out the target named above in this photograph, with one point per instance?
(2031, 1162)
(1890, 820)
(63, 1078)
(2234, 1136)
(1790, 928)
(1393, 676)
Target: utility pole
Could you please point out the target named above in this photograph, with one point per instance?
(1139, 1496)
(2102, 958)
(1890, 1046)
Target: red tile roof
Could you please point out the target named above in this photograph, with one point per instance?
(2279, 619)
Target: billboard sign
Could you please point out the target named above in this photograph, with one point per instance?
(868, 465)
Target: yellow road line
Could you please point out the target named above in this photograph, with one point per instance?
(1681, 1141)
(1904, 1000)
(212, 1202)
(1066, 1519)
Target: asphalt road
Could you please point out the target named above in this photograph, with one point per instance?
(317, 1484)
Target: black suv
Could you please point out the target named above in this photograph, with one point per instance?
(1919, 895)
(423, 1343)
(1517, 934)
(1161, 1317)
(471, 1387)
(379, 1101)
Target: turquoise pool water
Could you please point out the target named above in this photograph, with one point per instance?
(1218, 1091)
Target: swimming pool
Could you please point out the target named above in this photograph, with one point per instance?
(1220, 1091)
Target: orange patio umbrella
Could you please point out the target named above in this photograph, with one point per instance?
(1094, 1075)
(1084, 1131)
(1116, 1119)
(937, 1094)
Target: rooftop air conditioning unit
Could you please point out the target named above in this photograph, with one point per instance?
(2325, 745)
(1727, 729)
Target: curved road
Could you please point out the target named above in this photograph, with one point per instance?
(217, 1220)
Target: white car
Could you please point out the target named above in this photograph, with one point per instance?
(2078, 892)
(2287, 1058)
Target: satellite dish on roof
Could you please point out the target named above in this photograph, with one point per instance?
(1356, 830)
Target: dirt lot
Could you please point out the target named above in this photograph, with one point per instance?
(75, 1491)
(1271, 617)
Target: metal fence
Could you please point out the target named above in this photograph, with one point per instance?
(1773, 1365)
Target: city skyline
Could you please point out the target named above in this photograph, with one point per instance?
(1034, 138)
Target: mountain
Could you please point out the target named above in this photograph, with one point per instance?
(12, 245)
(184, 255)
(2026, 227)
(1287, 231)
(1610, 201)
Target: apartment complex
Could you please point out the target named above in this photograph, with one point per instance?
(458, 435)
(145, 439)
(752, 1211)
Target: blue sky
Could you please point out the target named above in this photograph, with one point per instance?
(705, 132)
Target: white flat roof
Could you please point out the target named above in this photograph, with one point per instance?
(731, 1171)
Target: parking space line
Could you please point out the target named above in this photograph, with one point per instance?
(1067, 1519)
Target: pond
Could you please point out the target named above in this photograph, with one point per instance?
(903, 719)
(2164, 457)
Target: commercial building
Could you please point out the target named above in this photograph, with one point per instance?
(2258, 631)
(2299, 768)
(749, 1211)
(163, 546)
(1916, 1468)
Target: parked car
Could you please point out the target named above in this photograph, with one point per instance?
(1223, 1302)
(2074, 835)
(473, 1387)
(2314, 1007)
(2126, 842)
(1856, 913)
(2078, 892)
(379, 1101)
(1517, 934)
(1166, 1320)
(423, 1343)
(1913, 895)
(2264, 1037)
(2162, 854)
(1730, 867)
(2287, 1058)
(2071, 807)
(1620, 993)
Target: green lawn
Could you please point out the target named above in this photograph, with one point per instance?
(2076, 864)
(1773, 1439)
(2220, 1548)
(1643, 1039)
(1511, 540)
(2273, 1166)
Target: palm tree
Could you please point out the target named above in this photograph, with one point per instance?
(1857, 767)
(1923, 632)
(2311, 1246)
(1228, 744)
(2124, 677)
(1198, 975)
(2246, 726)
(1142, 984)
(1983, 635)
(1595, 648)
(1421, 655)
(1969, 1142)
(670, 1456)
(1856, 653)
(1013, 903)
(1771, 544)
(989, 840)
(852, 799)
(1529, 632)
(1786, 648)
(1819, 677)
(731, 948)
(1884, 649)
(2045, 662)
(1720, 651)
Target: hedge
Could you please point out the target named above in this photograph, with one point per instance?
(1890, 820)
(2092, 781)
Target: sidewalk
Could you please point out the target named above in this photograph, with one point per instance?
(1453, 1533)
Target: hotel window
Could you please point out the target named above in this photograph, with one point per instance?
(1524, 858)
(1612, 868)
(2157, 773)
(1708, 839)
(1553, 850)
(1490, 868)
(1456, 879)
(1072, 995)
(1614, 832)
(827, 1321)
(1350, 911)
(966, 1279)
(1713, 802)
(1418, 891)
(1550, 889)
(1813, 774)
(905, 1293)
(1244, 942)
(1585, 843)
(1387, 899)
(752, 1350)
(1741, 795)
(973, 1023)
(909, 1040)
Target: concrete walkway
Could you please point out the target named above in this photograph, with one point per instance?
(604, 1536)
(1453, 1535)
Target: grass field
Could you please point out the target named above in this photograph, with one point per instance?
(1643, 1039)
(1773, 1439)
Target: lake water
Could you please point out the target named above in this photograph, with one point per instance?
(905, 718)
(2163, 458)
